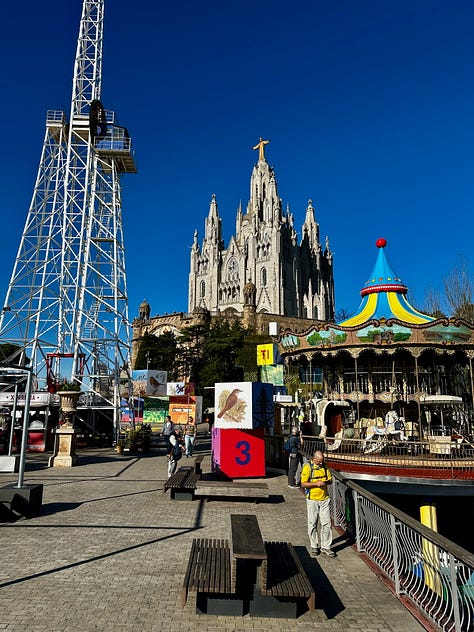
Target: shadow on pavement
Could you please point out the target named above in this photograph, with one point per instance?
(327, 598)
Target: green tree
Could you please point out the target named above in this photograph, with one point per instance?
(10, 353)
(247, 355)
(220, 348)
(189, 353)
(157, 352)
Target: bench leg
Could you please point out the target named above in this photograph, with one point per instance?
(182, 494)
(223, 606)
(269, 606)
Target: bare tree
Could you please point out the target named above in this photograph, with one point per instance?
(433, 303)
(459, 290)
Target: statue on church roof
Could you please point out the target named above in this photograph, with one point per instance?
(261, 148)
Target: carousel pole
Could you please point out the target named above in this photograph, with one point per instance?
(472, 378)
(418, 397)
(357, 386)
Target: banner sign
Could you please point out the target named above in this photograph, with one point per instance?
(149, 382)
(266, 354)
(272, 374)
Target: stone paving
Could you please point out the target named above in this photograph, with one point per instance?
(109, 552)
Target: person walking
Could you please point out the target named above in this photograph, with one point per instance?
(166, 430)
(293, 447)
(315, 478)
(175, 451)
(189, 436)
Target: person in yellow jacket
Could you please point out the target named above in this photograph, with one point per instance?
(315, 478)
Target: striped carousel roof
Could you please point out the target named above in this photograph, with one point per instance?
(384, 296)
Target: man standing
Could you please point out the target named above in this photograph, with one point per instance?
(175, 450)
(189, 436)
(293, 446)
(315, 479)
(166, 430)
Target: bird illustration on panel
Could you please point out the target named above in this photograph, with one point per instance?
(232, 407)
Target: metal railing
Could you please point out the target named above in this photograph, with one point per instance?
(433, 573)
(439, 457)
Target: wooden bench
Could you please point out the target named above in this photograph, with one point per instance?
(248, 553)
(264, 579)
(208, 568)
(182, 484)
(208, 579)
(284, 577)
(227, 489)
(197, 464)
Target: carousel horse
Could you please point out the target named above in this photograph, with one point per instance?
(393, 425)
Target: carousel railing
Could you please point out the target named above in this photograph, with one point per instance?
(433, 573)
(455, 459)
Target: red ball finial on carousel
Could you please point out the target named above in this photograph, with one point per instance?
(381, 243)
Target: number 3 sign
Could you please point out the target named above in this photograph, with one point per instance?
(239, 453)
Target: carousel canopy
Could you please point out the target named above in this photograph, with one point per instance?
(384, 296)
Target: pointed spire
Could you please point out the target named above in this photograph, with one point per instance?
(327, 250)
(383, 296)
(383, 278)
(213, 205)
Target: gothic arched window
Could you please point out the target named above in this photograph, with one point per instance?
(203, 289)
(233, 268)
(264, 277)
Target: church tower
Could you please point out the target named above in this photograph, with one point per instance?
(290, 278)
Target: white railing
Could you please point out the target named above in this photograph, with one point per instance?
(433, 573)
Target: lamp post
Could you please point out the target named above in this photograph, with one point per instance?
(24, 435)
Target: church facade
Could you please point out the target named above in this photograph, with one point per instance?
(264, 265)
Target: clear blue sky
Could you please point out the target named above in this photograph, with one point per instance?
(369, 106)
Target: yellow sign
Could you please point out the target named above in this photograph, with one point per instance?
(266, 354)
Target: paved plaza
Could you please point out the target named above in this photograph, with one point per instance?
(110, 550)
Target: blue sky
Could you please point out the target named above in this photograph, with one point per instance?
(368, 105)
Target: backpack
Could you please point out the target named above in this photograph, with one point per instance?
(306, 490)
(289, 445)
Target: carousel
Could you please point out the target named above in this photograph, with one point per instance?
(392, 388)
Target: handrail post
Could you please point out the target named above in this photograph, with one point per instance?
(355, 495)
(454, 589)
(396, 572)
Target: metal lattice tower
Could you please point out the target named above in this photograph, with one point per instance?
(66, 304)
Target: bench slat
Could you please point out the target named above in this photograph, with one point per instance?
(224, 488)
(184, 478)
(208, 569)
(247, 541)
(283, 574)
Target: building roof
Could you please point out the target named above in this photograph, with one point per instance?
(384, 296)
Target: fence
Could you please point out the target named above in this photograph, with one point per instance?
(434, 574)
(438, 457)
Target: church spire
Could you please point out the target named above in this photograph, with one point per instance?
(213, 222)
(311, 227)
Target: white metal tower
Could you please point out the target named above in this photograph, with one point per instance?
(66, 304)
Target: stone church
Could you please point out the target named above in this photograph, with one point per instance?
(264, 275)
(264, 264)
